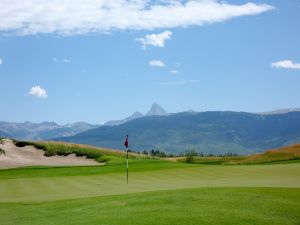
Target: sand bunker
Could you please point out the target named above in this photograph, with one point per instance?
(14, 156)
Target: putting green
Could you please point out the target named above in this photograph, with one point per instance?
(61, 187)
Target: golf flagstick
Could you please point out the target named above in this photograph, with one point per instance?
(126, 145)
(127, 165)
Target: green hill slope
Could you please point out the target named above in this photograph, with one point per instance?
(286, 154)
(208, 132)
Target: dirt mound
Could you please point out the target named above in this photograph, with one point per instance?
(12, 156)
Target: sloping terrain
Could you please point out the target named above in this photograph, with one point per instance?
(13, 156)
(286, 154)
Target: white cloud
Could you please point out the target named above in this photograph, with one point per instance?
(286, 64)
(157, 40)
(55, 60)
(66, 60)
(37, 91)
(1, 61)
(174, 71)
(181, 82)
(156, 63)
(70, 17)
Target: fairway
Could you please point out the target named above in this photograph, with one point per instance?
(173, 193)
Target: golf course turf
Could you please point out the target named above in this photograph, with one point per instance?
(159, 192)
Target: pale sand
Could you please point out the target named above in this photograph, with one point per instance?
(30, 156)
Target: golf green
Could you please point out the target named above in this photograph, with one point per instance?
(157, 193)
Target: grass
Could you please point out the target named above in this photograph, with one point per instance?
(286, 154)
(159, 192)
(136, 165)
(143, 177)
(208, 206)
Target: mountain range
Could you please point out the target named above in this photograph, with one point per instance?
(42, 131)
(3, 134)
(208, 132)
(50, 130)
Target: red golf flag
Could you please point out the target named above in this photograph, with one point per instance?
(126, 142)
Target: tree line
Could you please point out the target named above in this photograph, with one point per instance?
(191, 153)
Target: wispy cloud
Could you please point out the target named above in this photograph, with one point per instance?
(157, 40)
(64, 60)
(69, 17)
(286, 64)
(1, 61)
(174, 71)
(157, 63)
(37, 91)
(181, 82)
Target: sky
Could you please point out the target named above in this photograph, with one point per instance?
(98, 60)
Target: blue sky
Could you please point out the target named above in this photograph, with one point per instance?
(94, 67)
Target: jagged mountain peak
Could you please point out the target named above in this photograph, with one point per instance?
(156, 110)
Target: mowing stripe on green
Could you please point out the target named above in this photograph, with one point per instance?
(69, 187)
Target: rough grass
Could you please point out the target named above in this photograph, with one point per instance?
(61, 148)
(285, 154)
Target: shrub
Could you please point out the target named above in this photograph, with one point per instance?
(21, 143)
(189, 156)
(2, 152)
